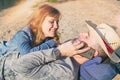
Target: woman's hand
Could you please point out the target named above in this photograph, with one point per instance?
(72, 48)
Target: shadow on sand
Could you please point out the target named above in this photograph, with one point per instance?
(7, 3)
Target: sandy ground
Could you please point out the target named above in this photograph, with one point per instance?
(74, 13)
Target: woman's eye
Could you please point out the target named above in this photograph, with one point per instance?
(51, 21)
(57, 21)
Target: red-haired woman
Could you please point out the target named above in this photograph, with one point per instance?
(46, 60)
(39, 34)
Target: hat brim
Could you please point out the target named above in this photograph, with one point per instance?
(96, 33)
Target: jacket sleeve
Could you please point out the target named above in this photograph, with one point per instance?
(24, 43)
(48, 44)
(41, 65)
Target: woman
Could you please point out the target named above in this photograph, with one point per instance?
(55, 63)
(39, 34)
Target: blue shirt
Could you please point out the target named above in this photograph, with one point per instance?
(95, 70)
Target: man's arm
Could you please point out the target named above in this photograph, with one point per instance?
(41, 65)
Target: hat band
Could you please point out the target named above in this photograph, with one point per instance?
(110, 50)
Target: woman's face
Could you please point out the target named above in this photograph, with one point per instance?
(49, 26)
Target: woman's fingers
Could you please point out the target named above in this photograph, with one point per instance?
(80, 59)
(85, 49)
(80, 45)
(71, 48)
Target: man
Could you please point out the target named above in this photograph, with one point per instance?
(109, 41)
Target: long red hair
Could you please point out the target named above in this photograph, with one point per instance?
(37, 20)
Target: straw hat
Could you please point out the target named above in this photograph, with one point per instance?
(107, 38)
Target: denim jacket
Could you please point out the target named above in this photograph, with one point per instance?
(22, 41)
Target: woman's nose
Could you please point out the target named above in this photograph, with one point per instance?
(55, 24)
